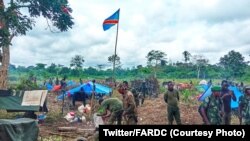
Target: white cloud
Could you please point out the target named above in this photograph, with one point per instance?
(211, 28)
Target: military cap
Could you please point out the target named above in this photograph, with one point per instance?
(216, 88)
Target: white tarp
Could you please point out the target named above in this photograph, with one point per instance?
(34, 98)
(97, 120)
(203, 82)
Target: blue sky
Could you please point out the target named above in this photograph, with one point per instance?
(203, 27)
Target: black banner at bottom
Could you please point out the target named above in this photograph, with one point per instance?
(175, 132)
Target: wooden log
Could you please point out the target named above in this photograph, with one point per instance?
(80, 129)
(60, 134)
(65, 129)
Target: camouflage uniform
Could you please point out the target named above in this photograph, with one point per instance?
(244, 101)
(144, 91)
(136, 97)
(114, 105)
(172, 98)
(213, 106)
(129, 106)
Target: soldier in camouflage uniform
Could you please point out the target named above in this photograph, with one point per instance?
(212, 107)
(171, 97)
(129, 106)
(136, 97)
(227, 96)
(114, 107)
(244, 107)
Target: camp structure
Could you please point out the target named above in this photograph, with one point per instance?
(23, 101)
(55, 88)
(88, 89)
(23, 129)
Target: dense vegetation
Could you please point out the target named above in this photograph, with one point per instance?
(230, 66)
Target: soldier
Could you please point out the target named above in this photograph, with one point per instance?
(112, 108)
(244, 107)
(129, 106)
(80, 81)
(50, 81)
(81, 95)
(136, 97)
(226, 96)
(57, 81)
(143, 90)
(212, 108)
(63, 89)
(171, 97)
(241, 87)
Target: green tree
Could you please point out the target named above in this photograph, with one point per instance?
(200, 63)
(12, 67)
(22, 69)
(64, 71)
(17, 17)
(40, 66)
(100, 66)
(52, 68)
(90, 71)
(187, 56)
(155, 57)
(116, 58)
(77, 62)
(163, 63)
(234, 64)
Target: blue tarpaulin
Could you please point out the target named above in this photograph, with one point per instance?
(205, 87)
(234, 104)
(71, 83)
(49, 87)
(88, 88)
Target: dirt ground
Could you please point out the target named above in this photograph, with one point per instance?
(152, 112)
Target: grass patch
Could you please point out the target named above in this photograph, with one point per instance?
(51, 138)
(10, 115)
(53, 117)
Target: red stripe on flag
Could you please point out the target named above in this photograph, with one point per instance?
(110, 21)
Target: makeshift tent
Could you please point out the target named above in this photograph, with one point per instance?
(49, 86)
(16, 103)
(56, 88)
(23, 129)
(88, 88)
(5, 92)
(236, 91)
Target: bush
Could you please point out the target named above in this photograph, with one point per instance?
(26, 84)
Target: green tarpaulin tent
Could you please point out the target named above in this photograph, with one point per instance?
(23, 129)
(13, 103)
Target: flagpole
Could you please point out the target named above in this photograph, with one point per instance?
(115, 53)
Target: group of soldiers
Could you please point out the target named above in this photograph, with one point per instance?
(114, 109)
(147, 87)
(215, 109)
